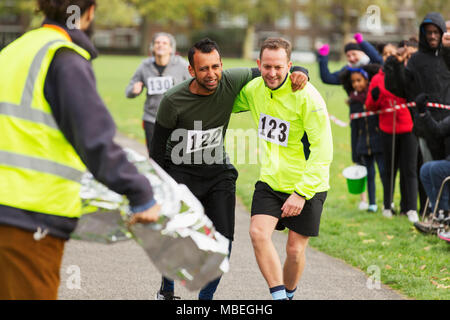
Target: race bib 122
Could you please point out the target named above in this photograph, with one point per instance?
(199, 139)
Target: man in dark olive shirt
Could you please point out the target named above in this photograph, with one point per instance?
(189, 132)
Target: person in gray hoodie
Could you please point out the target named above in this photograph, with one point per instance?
(157, 73)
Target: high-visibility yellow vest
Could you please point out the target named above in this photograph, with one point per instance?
(39, 169)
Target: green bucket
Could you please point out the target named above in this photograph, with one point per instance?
(356, 179)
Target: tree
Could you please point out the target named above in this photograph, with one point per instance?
(109, 13)
(23, 8)
(191, 14)
(116, 13)
(17, 6)
(347, 13)
(425, 6)
(255, 12)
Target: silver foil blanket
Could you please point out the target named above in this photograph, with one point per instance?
(183, 244)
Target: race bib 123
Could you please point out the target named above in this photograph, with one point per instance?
(273, 129)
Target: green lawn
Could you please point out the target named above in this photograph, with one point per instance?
(418, 266)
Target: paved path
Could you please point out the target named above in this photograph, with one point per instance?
(123, 271)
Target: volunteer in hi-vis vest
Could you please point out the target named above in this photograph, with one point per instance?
(53, 125)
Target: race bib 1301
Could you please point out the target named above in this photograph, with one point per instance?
(159, 85)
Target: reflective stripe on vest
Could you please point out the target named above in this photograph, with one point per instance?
(24, 111)
(27, 95)
(41, 165)
(29, 114)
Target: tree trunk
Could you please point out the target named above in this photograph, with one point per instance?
(347, 36)
(249, 41)
(145, 34)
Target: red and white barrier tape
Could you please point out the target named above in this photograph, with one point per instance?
(338, 122)
(359, 115)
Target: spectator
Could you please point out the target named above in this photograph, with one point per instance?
(424, 73)
(406, 147)
(358, 54)
(434, 172)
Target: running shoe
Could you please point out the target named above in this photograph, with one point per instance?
(166, 295)
(445, 236)
(387, 213)
(363, 206)
(412, 216)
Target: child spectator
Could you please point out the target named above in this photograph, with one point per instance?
(358, 53)
(366, 140)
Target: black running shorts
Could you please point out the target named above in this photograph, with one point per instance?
(269, 202)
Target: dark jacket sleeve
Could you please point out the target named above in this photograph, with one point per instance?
(325, 75)
(447, 57)
(394, 80)
(439, 129)
(371, 52)
(159, 143)
(82, 117)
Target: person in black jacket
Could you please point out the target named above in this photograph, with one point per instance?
(30, 259)
(425, 72)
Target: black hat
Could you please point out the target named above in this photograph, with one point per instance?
(352, 46)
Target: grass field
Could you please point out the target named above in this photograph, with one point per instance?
(418, 266)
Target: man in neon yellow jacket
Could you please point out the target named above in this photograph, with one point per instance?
(291, 190)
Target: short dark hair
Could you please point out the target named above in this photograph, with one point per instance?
(56, 10)
(275, 44)
(412, 42)
(205, 45)
(381, 46)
